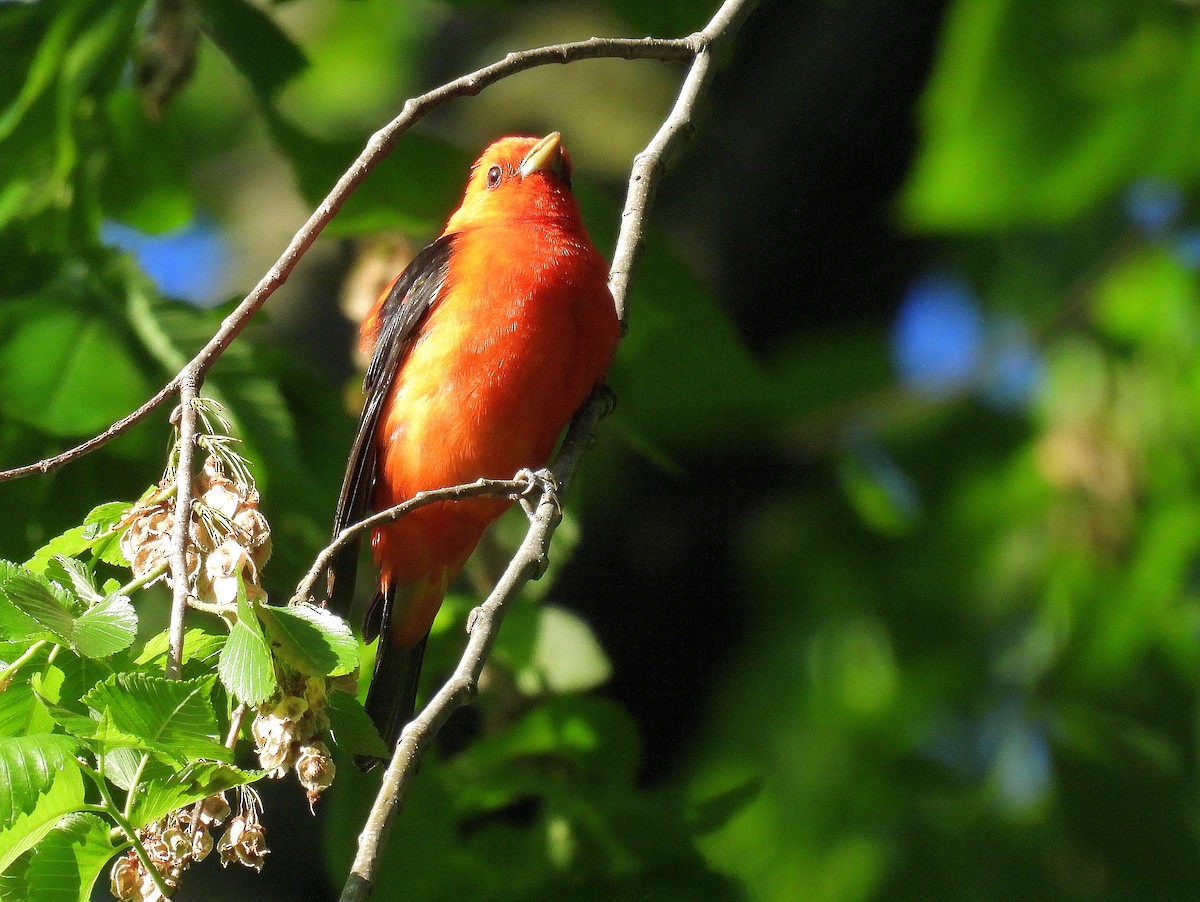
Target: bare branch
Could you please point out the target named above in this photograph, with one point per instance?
(651, 163)
(530, 560)
(124, 424)
(481, 487)
(189, 387)
(379, 145)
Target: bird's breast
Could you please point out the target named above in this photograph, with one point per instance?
(523, 331)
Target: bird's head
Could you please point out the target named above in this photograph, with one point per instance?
(517, 178)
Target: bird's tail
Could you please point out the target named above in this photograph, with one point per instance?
(392, 698)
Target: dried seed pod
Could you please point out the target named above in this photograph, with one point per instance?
(125, 877)
(244, 842)
(214, 810)
(315, 770)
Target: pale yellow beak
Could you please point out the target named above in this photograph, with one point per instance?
(544, 155)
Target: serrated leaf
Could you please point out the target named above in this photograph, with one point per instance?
(30, 609)
(73, 573)
(127, 766)
(199, 645)
(171, 717)
(245, 666)
(197, 781)
(26, 759)
(66, 863)
(312, 640)
(352, 729)
(21, 713)
(27, 768)
(106, 628)
(64, 796)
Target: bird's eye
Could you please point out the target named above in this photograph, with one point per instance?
(493, 176)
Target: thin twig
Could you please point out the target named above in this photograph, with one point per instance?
(122, 425)
(498, 488)
(379, 145)
(181, 528)
(530, 560)
(528, 563)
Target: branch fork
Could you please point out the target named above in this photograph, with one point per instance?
(530, 560)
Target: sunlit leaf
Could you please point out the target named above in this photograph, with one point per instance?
(61, 795)
(66, 863)
(1035, 111)
(310, 639)
(29, 608)
(171, 717)
(197, 781)
(246, 667)
(106, 628)
(27, 768)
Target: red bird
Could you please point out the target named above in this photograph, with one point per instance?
(481, 351)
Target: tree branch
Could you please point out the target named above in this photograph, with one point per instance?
(515, 487)
(189, 388)
(528, 563)
(379, 145)
(530, 560)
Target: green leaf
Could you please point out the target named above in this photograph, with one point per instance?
(63, 795)
(21, 713)
(566, 655)
(65, 370)
(351, 729)
(74, 575)
(715, 811)
(13, 887)
(98, 533)
(199, 645)
(28, 765)
(254, 43)
(312, 640)
(197, 781)
(683, 375)
(66, 863)
(174, 718)
(30, 609)
(106, 628)
(127, 767)
(1036, 111)
(594, 734)
(246, 667)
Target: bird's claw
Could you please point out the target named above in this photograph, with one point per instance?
(540, 483)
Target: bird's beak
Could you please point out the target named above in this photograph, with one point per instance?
(545, 155)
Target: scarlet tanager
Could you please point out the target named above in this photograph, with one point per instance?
(481, 351)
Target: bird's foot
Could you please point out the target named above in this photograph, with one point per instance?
(539, 484)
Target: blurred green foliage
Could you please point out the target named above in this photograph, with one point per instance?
(970, 657)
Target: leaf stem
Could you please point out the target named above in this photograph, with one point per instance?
(145, 579)
(7, 673)
(110, 808)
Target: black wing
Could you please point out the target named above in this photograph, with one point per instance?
(407, 304)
